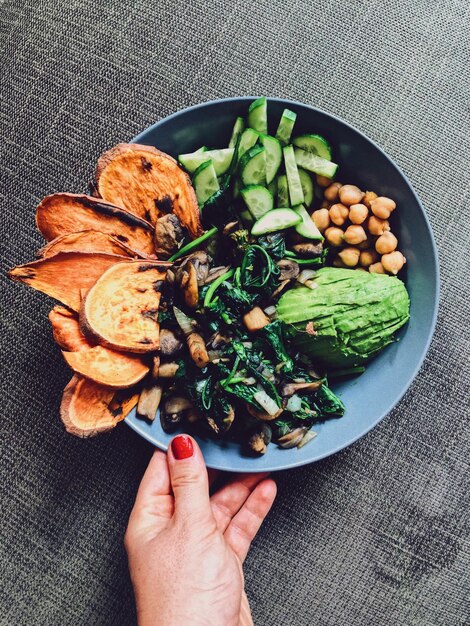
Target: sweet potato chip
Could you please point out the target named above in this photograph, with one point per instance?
(88, 409)
(66, 330)
(86, 241)
(121, 309)
(65, 213)
(63, 275)
(148, 183)
(107, 367)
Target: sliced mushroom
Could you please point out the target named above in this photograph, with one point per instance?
(309, 435)
(280, 288)
(216, 272)
(200, 259)
(170, 344)
(292, 439)
(290, 388)
(231, 227)
(259, 438)
(149, 401)
(218, 340)
(173, 409)
(189, 286)
(308, 250)
(263, 415)
(167, 370)
(169, 235)
(289, 269)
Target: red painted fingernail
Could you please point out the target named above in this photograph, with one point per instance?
(182, 447)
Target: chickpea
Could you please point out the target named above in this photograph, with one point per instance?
(334, 235)
(323, 181)
(382, 207)
(331, 192)
(368, 257)
(393, 262)
(376, 226)
(350, 194)
(355, 234)
(349, 256)
(358, 213)
(386, 243)
(376, 268)
(321, 219)
(339, 214)
(368, 197)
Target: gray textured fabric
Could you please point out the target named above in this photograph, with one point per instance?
(376, 535)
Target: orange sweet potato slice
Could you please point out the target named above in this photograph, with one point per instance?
(65, 213)
(148, 183)
(88, 409)
(65, 274)
(66, 330)
(120, 311)
(86, 241)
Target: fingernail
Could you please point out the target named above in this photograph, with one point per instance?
(182, 447)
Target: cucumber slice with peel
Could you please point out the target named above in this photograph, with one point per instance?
(248, 138)
(205, 182)
(286, 124)
(273, 155)
(282, 191)
(238, 128)
(221, 160)
(253, 166)
(313, 163)
(316, 144)
(258, 199)
(306, 228)
(258, 115)
(277, 219)
(307, 186)
(296, 194)
(273, 188)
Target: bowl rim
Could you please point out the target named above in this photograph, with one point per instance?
(420, 360)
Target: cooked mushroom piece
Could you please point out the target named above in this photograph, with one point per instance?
(173, 410)
(189, 286)
(259, 438)
(167, 370)
(170, 344)
(200, 259)
(290, 388)
(263, 415)
(149, 401)
(292, 439)
(280, 288)
(169, 235)
(308, 250)
(289, 269)
(216, 272)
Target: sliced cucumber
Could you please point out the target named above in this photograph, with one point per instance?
(258, 199)
(306, 228)
(221, 160)
(307, 186)
(277, 219)
(316, 144)
(284, 130)
(273, 155)
(258, 115)
(253, 166)
(248, 138)
(314, 163)
(238, 128)
(273, 188)
(296, 194)
(282, 191)
(205, 182)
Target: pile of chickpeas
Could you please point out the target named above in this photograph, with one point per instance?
(355, 223)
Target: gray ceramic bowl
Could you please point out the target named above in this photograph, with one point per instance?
(370, 397)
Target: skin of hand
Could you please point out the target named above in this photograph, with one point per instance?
(185, 547)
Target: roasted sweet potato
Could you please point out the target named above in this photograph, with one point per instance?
(66, 330)
(88, 409)
(87, 241)
(65, 213)
(148, 183)
(121, 309)
(65, 274)
(107, 367)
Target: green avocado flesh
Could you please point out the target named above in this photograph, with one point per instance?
(354, 315)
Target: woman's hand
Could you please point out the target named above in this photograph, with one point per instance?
(185, 548)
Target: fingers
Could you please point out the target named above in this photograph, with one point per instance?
(156, 479)
(188, 476)
(230, 498)
(246, 523)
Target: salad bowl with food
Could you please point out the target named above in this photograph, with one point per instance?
(252, 271)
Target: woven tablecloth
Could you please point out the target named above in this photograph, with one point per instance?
(377, 534)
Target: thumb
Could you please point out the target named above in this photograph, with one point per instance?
(188, 476)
